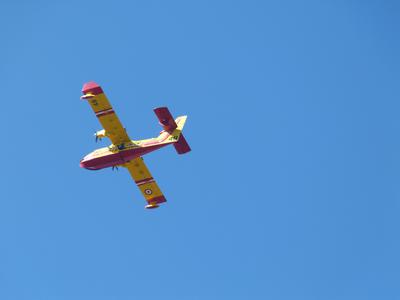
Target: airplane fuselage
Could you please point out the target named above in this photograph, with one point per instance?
(118, 155)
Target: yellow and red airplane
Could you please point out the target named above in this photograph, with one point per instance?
(128, 153)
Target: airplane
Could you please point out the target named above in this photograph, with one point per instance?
(127, 153)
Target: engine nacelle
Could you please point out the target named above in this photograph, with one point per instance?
(100, 134)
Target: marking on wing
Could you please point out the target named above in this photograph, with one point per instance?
(104, 112)
(144, 181)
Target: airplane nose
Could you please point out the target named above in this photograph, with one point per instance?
(82, 163)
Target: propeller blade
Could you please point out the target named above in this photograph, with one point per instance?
(97, 138)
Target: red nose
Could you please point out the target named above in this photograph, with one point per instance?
(82, 164)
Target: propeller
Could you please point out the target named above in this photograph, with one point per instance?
(99, 135)
(97, 138)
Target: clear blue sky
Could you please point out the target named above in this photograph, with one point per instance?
(292, 188)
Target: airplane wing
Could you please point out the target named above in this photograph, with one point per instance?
(146, 183)
(114, 130)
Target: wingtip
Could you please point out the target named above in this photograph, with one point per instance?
(92, 87)
(152, 206)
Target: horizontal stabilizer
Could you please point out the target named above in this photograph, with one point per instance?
(165, 118)
(181, 146)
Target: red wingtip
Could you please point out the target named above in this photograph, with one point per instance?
(92, 87)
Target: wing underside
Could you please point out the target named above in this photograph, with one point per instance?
(94, 94)
(145, 182)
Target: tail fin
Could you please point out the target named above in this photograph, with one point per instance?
(174, 129)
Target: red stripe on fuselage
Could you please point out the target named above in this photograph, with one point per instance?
(119, 158)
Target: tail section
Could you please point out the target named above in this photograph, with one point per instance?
(181, 146)
(173, 129)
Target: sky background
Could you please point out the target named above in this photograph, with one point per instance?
(292, 188)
